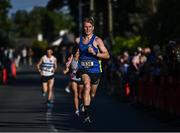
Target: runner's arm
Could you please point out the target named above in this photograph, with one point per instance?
(103, 52)
(68, 63)
(38, 65)
(66, 70)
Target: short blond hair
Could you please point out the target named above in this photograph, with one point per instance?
(89, 20)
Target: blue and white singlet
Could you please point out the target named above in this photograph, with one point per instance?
(47, 66)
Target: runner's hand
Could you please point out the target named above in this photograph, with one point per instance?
(91, 50)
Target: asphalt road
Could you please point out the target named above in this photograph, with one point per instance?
(23, 109)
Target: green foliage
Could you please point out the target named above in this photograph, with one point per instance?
(21, 21)
(5, 5)
(41, 20)
(5, 23)
(54, 4)
(130, 44)
(35, 20)
(156, 20)
(60, 21)
(39, 47)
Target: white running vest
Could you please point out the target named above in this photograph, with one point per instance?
(47, 66)
(74, 66)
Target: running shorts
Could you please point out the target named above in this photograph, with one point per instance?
(46, 78)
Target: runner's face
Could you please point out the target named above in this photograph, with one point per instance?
(88, 28)
(77, 54)
(49, 52)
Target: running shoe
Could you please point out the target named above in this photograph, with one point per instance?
(49, 104)
(87, 119)
(82, 108)
(76, 79)
(44, 94)
(67, 90)
(77, 113)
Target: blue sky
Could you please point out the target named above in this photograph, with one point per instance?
(26, 4)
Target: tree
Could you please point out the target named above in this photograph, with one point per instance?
(36, 17)
(41, 20)
(5, 23)
(21, 20)
(54, 4)
(164, 25)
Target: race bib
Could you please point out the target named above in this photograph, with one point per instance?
(87, 64)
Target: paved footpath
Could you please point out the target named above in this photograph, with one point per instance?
(22, 109)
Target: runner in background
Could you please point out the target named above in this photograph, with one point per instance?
(47, 67)
(72, 68)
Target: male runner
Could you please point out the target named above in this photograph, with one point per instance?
(92, 51)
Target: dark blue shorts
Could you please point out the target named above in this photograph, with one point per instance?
(95, 77)
(46, 78)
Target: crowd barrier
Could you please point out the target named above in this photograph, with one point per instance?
(6, 74)
(162, 93)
